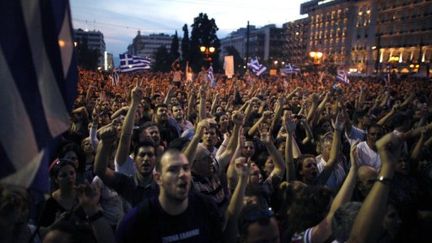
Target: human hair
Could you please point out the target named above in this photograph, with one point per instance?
(299, 164)
(374, 125)
(147, 124)
(169, 152)
(57, 164)
(71, 146)
(161, 106)
(309, 207)
(343, 220)
(144, 143)
(251, 214)
(73, 231)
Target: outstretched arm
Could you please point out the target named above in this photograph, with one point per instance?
(126, 132)
(236, 202)
(367, 223)
(104, 149)
(323, 231)
(290, 127)
(334, 151)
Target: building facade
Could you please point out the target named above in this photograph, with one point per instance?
(296, 37)
(147, 45)
(95, 41)
(371, 36)
(404, 36)
(265, 43)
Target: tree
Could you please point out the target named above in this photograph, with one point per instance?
(238, 60)
(174, 50)
(185, 44)
(87, 58)
(204, 34)
(161, 60)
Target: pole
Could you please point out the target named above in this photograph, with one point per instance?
(247, 42)
(378, 48)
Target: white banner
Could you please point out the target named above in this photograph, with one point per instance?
(229, 66)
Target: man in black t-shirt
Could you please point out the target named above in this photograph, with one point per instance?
(176, 215)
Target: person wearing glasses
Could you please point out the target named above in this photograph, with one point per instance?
(257, 224)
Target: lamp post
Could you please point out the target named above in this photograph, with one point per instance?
(316, 58)
(207, 51)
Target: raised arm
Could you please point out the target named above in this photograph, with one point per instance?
(265, 116)
(389, 115)
(236, 202)
(104, 149)
(225, 158)
(214, 104)
(126, 132)
(290, 127)
(278, 113)
(279, 163)
(202, 105)
(369, 219)
(322, 231)
(334, 151)
(190, 150)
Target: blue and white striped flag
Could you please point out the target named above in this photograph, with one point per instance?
(132, 63)
(256, 67)
(211, 77)
(115, 79)
(342, 76)
(38, 76)
(290, 69)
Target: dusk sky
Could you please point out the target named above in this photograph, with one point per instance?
(119, 21)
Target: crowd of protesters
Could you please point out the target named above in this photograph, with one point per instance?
(167, 158)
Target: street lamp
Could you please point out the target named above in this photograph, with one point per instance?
(207, 51)
(316, 56)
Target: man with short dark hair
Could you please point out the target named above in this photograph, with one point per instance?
(133, 189)
(367, 151)
(167, 131)
(258, 225)
(176, 214)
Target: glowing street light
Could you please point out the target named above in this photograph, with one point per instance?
(316, 56)
(207, 51)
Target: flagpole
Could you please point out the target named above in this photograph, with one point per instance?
(247, 42)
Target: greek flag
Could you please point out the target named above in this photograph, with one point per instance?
(342, 76)
(211, 77)
(38, 76)
(114, 77)
(290, 69)
(132, 63)
(256, 68)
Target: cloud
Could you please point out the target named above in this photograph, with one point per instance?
(119, 21)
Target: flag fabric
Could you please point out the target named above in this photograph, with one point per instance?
(130, 63)
(114, 77)
(38, 76)
(387, 80)
(256, 67)
(342, 76)
(211, 77)
(290, 69)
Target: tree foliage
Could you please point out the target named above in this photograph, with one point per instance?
(185, 44)
(87, 58)
(161, 62)
(204, 34)
(174, 49)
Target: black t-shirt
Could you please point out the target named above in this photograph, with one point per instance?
(150, 223)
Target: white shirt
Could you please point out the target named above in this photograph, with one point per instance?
(336, 177)
(367, 156)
